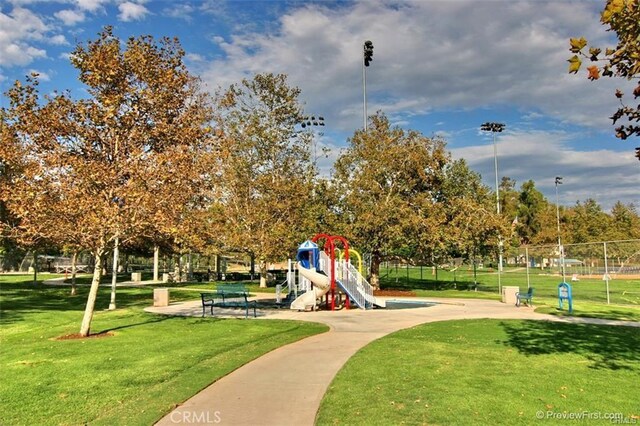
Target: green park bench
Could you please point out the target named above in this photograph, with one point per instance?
(525, 297)
(228, 296)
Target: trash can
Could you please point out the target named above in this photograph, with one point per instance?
(160, 297)
(509, 294)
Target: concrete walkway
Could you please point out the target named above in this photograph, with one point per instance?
(285, 386)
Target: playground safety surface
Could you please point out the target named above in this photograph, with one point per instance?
(285, 386)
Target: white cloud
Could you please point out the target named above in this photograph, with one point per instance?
(427, 55)
(132, 11)
(58, 40)
(70, 17)
(180, 10)
(90, 5)
(18, 30)
(42, 76)
(604, 175)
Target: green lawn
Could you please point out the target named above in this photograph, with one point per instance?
(459, 283)
(489, 372)
(149, 365)
(592, 310)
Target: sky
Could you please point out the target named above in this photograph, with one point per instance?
(440, 67)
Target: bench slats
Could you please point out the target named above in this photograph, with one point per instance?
(228, 296)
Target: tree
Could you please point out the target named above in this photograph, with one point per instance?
(266, 169)
(134, 152)
(531, 204)
(508, 198)
(625, 222)
(588, 223)
(388, 180)
(472, 227)
(623, 18)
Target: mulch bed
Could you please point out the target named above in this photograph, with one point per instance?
(394, 293)
(75, 336)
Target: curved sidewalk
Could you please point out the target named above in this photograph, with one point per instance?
(285, 386)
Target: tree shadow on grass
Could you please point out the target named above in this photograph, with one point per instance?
(607, 347)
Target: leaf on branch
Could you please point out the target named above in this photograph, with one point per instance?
(619, 94)
(574, 64)
(609, 51)
(577, 44)
(613, 7)
(593, 72)
(636, 91)
(606, 71)
(594, 52)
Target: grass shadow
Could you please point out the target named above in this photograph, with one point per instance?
(607, 347)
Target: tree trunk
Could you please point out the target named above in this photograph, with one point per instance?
(35, 267)
(85, 328)
(114, 273)
(74, 259)
(177, 270)
(374, 280)
(156, 261)
(263, 274)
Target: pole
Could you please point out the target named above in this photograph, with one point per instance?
(364, 94)
(526, 258)
(606, 272)
(495, 163)
(112, 304)
(560, 248)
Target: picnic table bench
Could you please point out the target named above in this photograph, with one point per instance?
(526, 297)
(228, 296)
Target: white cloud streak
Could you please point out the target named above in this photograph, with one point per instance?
(604, 175)
(130, 11)
(17, 30)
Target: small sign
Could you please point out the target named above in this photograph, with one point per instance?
(564, 293)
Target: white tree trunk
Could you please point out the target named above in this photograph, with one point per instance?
(85, 328)
(263, 274)
(74, 260)
(156, 261)
(114, 274)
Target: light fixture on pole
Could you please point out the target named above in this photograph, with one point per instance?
(496, 128)
(367, 58)
(560, 248)
(309, 122)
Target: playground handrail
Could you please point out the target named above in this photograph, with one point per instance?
(356, 285)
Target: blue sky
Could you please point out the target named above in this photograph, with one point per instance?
(440, 67)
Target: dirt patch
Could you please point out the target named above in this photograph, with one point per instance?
(394, 293)
(76, 336)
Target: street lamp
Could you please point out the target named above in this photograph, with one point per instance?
(560, 248)
(496, 128)
(367, 58)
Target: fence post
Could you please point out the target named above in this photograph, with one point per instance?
(606, 271)
(526, 259)
(407, 274)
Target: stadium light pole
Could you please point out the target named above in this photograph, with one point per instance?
(310, 122)
(560, 248)
(367, 52)
(496, 128)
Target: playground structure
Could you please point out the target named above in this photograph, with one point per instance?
(328, 273)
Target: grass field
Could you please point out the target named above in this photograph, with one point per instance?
(621, 290)
(140, 371)
(489, 372)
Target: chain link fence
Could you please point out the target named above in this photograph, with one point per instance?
(601, 272)
(607, 271)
